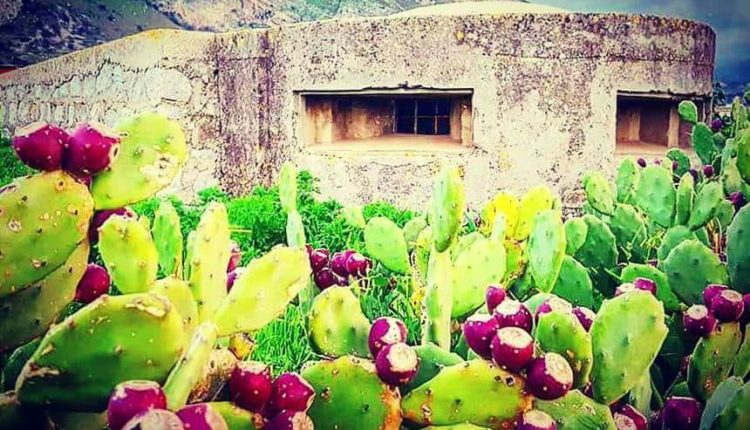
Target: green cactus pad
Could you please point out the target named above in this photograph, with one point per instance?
(629, 229)
(463, 426)
(337, 325)
(179, 295)
(690, 267)
(168, 238)
(742, 361)
(724, 214)
(14, 364)
(561, 332)
(682, 159)
(712, 360)
(684, 199)
(438, 300)
(738, 250)
(14, 416)
(574, 283)
(78, 420)
(385, 243)
(641, 394)
(355, 218)
(535, 200)
(627, 334)
(411, 231)
(656, 195)
(446, 208)
(349, 394)
(29, 313)
(152, 151)
(504, 204)
(663, 290)
(464, 242)
(208, 253)
(295, 230)
(432, 359)
(515, 260)
(688, 111)
(576, 230)
(475, 392)
(743, 156)
(703, 143)
(574, 411)
(704, 207)
(43, 218)
(599, 250)
(599, 193)
(719, 399)
(263, 290)
(736, 412)
(288, 188)
(627, 178)
(673, 237)
(113, 339)
(546, 249)
(189, 368)
(236, 417)
(481, 264)
(129, 254)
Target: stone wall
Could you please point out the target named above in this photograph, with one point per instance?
(544, 101)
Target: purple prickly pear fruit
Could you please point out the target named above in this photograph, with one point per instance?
(657, 419)
(357, 265)
(386, 331)
(201, 416)
(319, 259)
(131, 398)
(291, 393)
(694, 174)
(642, 162)
(83, 179)
(682, 413)
(494, 295)
(708, 170)
(479, 329)
(685, 364)
(512, 313)
(325, 278)
(675, 165)
(536, 420)
(727, 306)
(100, 217)
(90, 149)
(710, 291)
(698, 321)
(94, 283)
(512, 348)
(585, 316)
(645, 284)
(250, 385)
(154, 419)
(338, 263)
(716, 125)
(549, 376)
(290, 420)
(553, 304)
(235, 255)
(40, 146)
(738, 200)
(629, 418)
(232, 277)
(396, 364)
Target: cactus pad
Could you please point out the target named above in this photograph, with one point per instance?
(684, 199)
(168, 238)
(627, 178)
(129, 254)
(738, 250)
(656, 195)
(712, 360)
(703, 143)
(432, 360)
(288, 188)
(446, 208)
(385, 243)
(736, 412)
(481, 264)
(574, 283)
(705, 204)
(179, 295)
(575, 234)
(438, 300)
(189, 368)
(663, 291)
(561, 332)
(690, 267)
(337, 325)
(535, 200)
(546, 249)
(504, 203)
(574, 411)
(599, 193)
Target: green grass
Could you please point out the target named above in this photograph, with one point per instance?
(10, 166)
(283, 344)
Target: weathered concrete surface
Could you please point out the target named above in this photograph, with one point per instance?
(544, 101)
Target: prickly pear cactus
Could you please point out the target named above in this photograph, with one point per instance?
(349, 394)
(295, 230)
(574, 283)
(152, 151)
(438, 300)
(575, 234)
(627, 178)
(673, 237)
(626, 336)
(663, 291)
(599, 250)
(355, 218)
(446, 208)
(656, 195)
(738, 250)
(129, 254)
(43, 218)
(337, 325)
(706, 202)
(411, 230)
(113, 339)
(504, 203)
(189, 368)
(561, 332)
(629, 229)
(682, 159)
(481, 264)
(546, 249)
(714, 406)
(29, 313)
(598, 193)
(690, 267)
(743, 156)
(236, 417)
(475, 391)
(263, 290)
(736, 411)
(288, 188)
(179, 295)
(688, 111)
(742, 361)
(703, 143)
(385, 243)
(168, 238)
(712, 360)
(575, 411)
(535, 200)
(684, 199)
(432, 360)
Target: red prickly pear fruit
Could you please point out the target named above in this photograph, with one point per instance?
(232, 277)
(738, 200)
(698, 321)
(154, 419)
(131, 398)
(94, 283)
(553, 304)
(100, 217)
(512, 348)
(325, 278)
(357, 265)
(90, 149)
(645, 284)
(291, 393)
(642, 162)
(512, 313)
(396, 364)
(319, 259)
(201, 416)
(585, 316)
(290, 420)
(494, 295)
(235, 255)
(338, 263)
(629, 418)
(536, 420)
(710, 291)
(250, 385)
(549, 377)
(682, 413)
(386, 331)
(708, 170)
(727, 306)
(479, 329)
(40, 146)
(716, 125)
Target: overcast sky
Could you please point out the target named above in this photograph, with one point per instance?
(729, 18)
